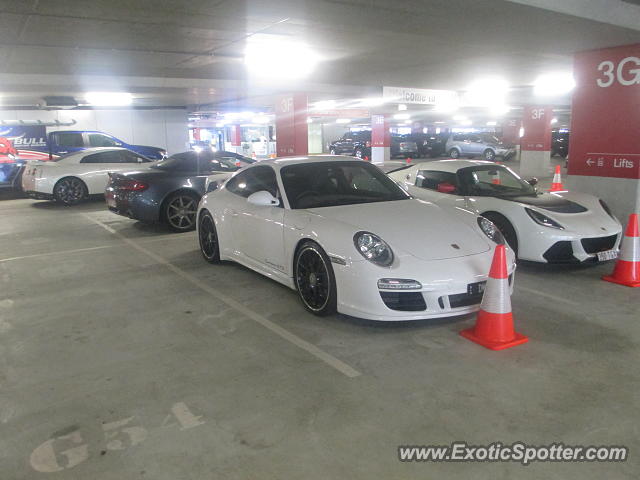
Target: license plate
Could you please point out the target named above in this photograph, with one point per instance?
(476, 288)
(607, 255)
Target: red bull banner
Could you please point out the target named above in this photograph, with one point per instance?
(19, 144)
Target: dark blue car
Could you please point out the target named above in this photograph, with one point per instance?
(169, 191)
(63, 142)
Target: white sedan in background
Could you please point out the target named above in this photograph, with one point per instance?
(347, 238)
(72, 178)
(559, 227)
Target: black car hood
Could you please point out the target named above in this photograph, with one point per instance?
(552, 203)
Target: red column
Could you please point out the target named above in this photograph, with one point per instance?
(604, 148)
(535, 144)
(292, 135)
(511, 131)
(380, 139)
(236, 135)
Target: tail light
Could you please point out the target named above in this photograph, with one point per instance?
(367, 144)
(131, 185)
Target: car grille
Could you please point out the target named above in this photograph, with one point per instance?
(464, 300)
(560, 252)
(601, 244)
(404, 301)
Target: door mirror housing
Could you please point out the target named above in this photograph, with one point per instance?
(533, 181)
(263, 199)
(446, 187)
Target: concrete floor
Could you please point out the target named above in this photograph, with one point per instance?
(115, 365)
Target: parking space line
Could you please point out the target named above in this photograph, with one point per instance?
(77, 250)
(547, 295)
(329, 359)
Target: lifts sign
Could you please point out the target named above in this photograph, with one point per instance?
(24, 142)
(606, 113)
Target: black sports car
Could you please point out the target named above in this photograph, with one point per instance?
(169, 191)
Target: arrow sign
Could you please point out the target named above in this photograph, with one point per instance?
(590, 162)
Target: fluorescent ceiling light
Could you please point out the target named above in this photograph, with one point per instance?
(554, 84)
(439, 122)
(279, 59)
(465, 122)
(109, 99)
(402, 116)
(343, 120)
(324, 105)
(260, 119)
(372, 102)
(459, 118)
(499, 109)
(487, 91)
(309, 120)
(220, 124)
(554, 120)
(492, 123)
(402, 107)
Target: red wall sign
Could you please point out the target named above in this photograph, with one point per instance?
(235, 135)
(380, 136)
(292, 136)
(605, 116)
(536, 122)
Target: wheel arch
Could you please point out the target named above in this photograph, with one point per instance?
(494, 213)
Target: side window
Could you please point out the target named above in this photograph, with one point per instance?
(254, 180)
(103, 157)
(459, 137)
(131, 157)
(430, 179)
(100, 140)
(475, 139)
(69, 140)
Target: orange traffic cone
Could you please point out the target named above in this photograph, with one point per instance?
(496, 178)
(494, 324)
(273, 155)
(557, 186)
(627, 269)
(366, 159)
(408, 159)
(253, 155)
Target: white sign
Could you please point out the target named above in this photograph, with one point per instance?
(422, 96)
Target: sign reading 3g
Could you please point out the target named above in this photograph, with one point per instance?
(627, 72)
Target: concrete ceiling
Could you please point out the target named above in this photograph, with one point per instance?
(170, 53)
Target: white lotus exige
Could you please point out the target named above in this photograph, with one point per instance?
(348, 238)
(73, 177)
(559, 227)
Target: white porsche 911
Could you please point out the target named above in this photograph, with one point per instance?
(73, 177)
(559, 227)
(348, 238)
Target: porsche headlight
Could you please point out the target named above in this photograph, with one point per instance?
(373, 248)
(490, 230)
(542, 219)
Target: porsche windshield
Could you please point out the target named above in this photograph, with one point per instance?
(328, 184)
(493, 181)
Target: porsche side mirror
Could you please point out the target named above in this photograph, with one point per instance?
(533, 181)
(446, 187)
(263, 199)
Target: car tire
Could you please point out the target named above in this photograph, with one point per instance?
(505, 227)
(314, 279)
(489, 155)
(454, 153)
(332, 151)
(208, 238)
(179, 211)
(70, 191)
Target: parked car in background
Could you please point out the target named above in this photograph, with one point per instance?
(63, 142)
(485, 145)
(73, 177)
(560, 227)
(430, 145)
(357, 144)
(560, 143)
(347, 238)
(169, 191)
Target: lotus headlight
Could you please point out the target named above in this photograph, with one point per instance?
(542, 219)
(373, 248)
(490, 230)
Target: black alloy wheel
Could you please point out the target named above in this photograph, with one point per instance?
(70, 191)
(180, 211)
(315, 280)
(208, 237)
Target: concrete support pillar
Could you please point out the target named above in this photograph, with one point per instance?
(604, 149)
(535, 157)
(292, 132)
(380, 139)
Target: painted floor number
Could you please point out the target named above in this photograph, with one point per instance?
(68, 450)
